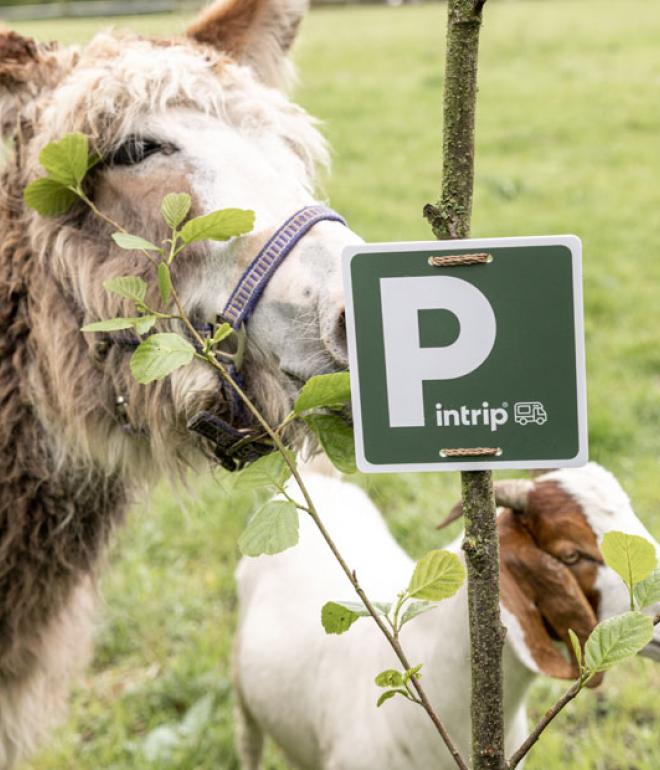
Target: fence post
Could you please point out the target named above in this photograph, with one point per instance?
(450, 218)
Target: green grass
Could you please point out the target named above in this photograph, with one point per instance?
(569, 127)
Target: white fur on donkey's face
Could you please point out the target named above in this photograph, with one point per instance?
(298, 318)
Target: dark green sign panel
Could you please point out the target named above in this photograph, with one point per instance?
(485, 358)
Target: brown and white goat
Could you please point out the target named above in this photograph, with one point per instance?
(314, 694)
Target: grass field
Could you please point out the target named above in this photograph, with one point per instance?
(569, 141)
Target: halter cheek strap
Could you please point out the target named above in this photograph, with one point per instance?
(233, 446)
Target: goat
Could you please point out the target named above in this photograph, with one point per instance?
(314, 694)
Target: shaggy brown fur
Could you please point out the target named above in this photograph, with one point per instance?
(69, 462)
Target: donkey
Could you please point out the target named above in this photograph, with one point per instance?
(205, 114)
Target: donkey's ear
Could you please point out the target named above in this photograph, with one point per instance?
(546, 600)
(26, 68)
(256, 32)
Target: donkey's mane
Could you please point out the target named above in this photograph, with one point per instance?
(121, 77)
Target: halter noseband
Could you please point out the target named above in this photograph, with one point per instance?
(235, 446)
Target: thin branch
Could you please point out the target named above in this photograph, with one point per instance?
(350, 574)
(545, 720)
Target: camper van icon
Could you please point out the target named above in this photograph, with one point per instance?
(525, 412)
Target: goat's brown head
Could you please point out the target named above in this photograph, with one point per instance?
(552, 573)
(202, 114)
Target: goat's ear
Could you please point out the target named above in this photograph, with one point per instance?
(26, 68)
(546, 600)
(255, 32)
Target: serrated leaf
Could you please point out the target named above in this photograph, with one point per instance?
(222, 332)
(616, 639)
(127, 286)
(144, 323)
(577, 648)
(175, 208)
(336, 619)
(48, 197)
(414, 609)
(336, 438)
(412, 673)
(164, 282)
(389, 678)
(438, 575)
(631, 556)
(324, 390)
(160, 355)
(647, 592)
(134, 243)
(269, 471)
(272, 529)
(218, 226)
(359, 609)
(111, 325)
(388, 694)
(67, 160)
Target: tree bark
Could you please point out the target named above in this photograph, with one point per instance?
(450, 217)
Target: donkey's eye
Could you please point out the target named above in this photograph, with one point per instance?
(135, 149)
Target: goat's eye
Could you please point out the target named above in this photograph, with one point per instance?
(136, 149)
(570, 557)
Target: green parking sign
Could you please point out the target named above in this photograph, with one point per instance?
(467, 355)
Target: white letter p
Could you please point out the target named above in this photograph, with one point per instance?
(407, 364)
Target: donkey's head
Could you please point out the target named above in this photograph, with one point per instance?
(203, 114)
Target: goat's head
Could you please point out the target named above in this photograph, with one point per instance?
(552, 571)
(203, 114)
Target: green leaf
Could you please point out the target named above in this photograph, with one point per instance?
(66, 161)
(616, 639)
(647, 592)
(357, 608)
(336, 619)
(414, 609)
(159, 355)
(164, 282)
(144, 323)
(385, 696)
(111, 325)
(438, 575)
(412, 673)
(631, 556)
(134, 243)
(324, 390)
(175, 208)
(127, 286)
(218, 226)
(269, 471)
(272, 529)
(222, 332)
(49, 198)
(389, 678)
(577, 648)
(336, 438)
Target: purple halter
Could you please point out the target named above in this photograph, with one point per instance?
(243, 300)
(232, 445)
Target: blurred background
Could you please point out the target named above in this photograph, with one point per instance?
(568, 142)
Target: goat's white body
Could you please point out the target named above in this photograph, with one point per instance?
(314, 693)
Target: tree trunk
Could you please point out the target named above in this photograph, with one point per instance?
(450, 218)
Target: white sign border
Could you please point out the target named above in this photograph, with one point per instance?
(574, 244)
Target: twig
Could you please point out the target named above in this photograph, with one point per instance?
(310, 508)
(545, 720)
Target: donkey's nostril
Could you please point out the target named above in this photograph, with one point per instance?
(334, 338)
